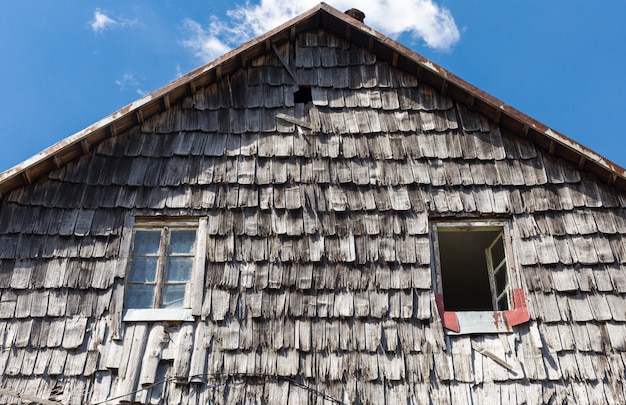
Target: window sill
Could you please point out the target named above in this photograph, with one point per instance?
(475, 322)
(160, 314)
(471, 322)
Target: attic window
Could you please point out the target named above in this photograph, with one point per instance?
(476, 276)
(161, 267)
(162, 270)
(303, 95)
(473, 268)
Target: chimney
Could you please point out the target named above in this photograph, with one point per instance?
(356, 14)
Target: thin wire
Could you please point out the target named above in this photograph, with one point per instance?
(147, 387)
(221, 375)
(276, 377)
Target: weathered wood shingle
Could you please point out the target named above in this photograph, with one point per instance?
(318, 267)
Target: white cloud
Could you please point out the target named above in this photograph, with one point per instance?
(207, 44)
(101, 21)
(422, 19)
(179, 72)
(127, 80)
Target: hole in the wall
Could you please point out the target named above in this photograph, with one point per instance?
(303, 95)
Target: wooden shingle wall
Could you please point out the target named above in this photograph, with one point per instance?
(318, 282)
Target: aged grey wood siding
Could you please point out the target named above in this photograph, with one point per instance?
(318, 278)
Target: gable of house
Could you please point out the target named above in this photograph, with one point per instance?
(313, 172)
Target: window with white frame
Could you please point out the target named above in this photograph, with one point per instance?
(475, 276)
(164, 275)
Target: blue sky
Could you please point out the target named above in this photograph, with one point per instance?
(67, 64)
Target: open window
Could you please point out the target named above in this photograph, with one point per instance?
(476, 278)
(164, 271)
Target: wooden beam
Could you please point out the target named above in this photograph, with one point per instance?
(293, 120)
(552, 147)
(444, 88)
(27, 178)
(285, 63)
(292, 33)
(496, 116)
(470, 102)
(491, 355)
(419, 73)
(166, 102)
(84, 146)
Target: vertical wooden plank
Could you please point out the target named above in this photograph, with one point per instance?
(101, 387)
(199, 268)
(185, 346)
(131, 371)
(436, 268)
(154, 347)
(115, 310)
(125, 243)
(198, 357)
(117, 354)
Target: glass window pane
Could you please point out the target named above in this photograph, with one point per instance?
(501, 279)
(143, 270)
(503, 303)
(146, 242)
(179, 269)
(139, 296)
(174, 296)
(497, 252)
(182, 241)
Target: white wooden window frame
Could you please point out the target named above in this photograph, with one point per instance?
(193, 302)
(473, 322)
(493, 269)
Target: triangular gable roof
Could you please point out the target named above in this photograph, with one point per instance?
(328, 18)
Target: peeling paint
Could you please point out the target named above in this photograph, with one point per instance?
(370, 31)
(431, 66)
(574, 145)
(498, 319)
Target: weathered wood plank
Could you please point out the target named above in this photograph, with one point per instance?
(185, 343)
(134, 348)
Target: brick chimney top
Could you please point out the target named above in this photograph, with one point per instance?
(356, 14)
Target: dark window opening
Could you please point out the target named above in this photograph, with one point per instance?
(303, 95)
(473, 268)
